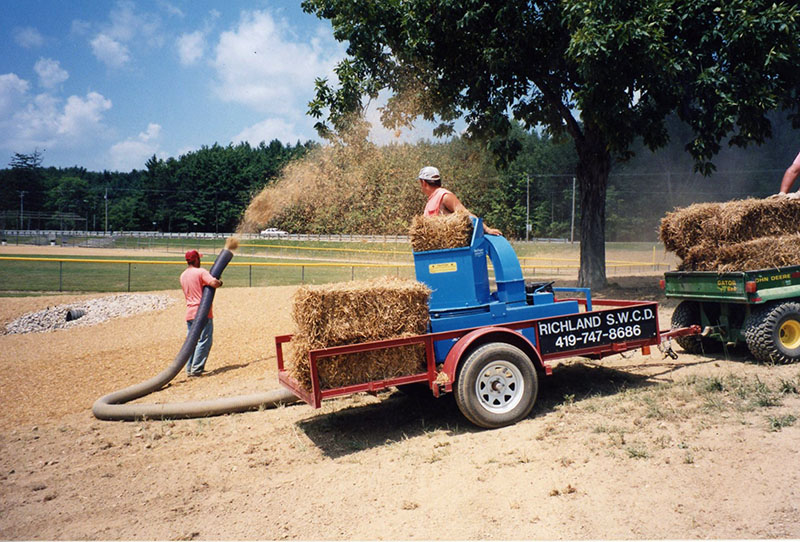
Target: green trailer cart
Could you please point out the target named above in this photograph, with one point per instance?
(759, 308)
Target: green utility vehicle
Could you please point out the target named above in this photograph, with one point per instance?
(759, 308)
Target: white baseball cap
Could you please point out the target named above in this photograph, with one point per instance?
(429, 173)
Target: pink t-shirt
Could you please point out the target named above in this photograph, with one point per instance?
(434, 205)
(192, 282)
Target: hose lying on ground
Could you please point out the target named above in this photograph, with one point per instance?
(111, 407)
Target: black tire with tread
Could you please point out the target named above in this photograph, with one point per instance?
(687, 313)
(762, 332)
(477, 363)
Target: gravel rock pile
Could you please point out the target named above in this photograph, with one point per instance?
(94, 311)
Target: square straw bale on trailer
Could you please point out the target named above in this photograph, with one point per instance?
(715, 225)
(356, 312)
(761, 253)
(440, 232)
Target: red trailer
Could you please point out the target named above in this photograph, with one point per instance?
(494, 370)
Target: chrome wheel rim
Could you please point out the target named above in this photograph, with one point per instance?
(499, 387)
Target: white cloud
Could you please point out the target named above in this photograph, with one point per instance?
(172, 9)
(261, 65)
(125, 28)
(134, 152)
(126, 24)
(267, 130)
(109, 51)
(81, 115)
(45, 121)
(80, 27)
(28, 37)
(50, 72)
(191, 47)
(12, 92)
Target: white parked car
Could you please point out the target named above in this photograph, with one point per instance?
(274, 232)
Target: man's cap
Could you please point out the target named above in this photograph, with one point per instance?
(192, 256)
(429, 173)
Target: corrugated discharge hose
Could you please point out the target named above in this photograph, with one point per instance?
(112, 407)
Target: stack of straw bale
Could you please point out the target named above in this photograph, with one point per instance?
(440, 232)
(734, 235)
(356, 312)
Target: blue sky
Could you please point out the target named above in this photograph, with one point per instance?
(107, 84)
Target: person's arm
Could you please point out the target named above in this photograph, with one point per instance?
(210, 280)
(453, 204)
(789, 177)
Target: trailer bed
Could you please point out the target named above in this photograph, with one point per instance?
(621, 327)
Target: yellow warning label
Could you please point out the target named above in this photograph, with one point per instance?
(448, 267)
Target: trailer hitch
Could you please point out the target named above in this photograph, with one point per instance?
(666, 349)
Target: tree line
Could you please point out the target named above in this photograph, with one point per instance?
(375, 192)
(202, 191)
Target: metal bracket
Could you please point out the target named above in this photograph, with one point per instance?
(666, 349)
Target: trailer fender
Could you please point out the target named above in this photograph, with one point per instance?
(483, 336)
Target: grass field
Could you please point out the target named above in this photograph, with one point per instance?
(153, 264)
(147, 274)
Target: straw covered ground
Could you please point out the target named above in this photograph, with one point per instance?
(734, 235)
(637, 447)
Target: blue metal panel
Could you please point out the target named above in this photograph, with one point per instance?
(462, 299)
(507, 271)
(459, 277)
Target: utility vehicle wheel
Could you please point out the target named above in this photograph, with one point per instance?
(687, 313)
(773, 333)
(496, 385)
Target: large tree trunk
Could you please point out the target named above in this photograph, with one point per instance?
(594, 164)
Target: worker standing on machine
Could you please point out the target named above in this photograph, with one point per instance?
(788, 179)
(440, 200)
(192, 280)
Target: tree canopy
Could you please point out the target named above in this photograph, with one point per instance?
(602, 72)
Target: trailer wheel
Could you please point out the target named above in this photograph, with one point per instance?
(773, 333)
(687, 313)
(496, 385)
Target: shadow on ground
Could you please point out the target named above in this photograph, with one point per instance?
(399, 416)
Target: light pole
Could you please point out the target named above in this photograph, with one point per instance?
(21, 207)
(105, 197)
(527, 206)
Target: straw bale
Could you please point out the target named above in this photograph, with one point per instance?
(761, 253)
(714, 225)
(440, 232)
(356, 312)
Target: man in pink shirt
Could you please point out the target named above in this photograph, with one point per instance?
(440, 200)
(788, 179)
(193, 279)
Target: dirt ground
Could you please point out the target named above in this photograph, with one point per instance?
(637, 447)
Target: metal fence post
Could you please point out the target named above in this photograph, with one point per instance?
(251, 275)
(129, 277)
(302, 274)
(60, 275)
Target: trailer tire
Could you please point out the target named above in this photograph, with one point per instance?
(496, 385)
(686, 314)
(773, 333)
